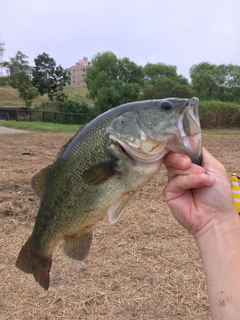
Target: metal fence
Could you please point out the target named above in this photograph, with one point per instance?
(25, 114)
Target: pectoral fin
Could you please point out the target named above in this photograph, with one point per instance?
(100, 172)
(39, 181)
(77, 247)
(115, 211)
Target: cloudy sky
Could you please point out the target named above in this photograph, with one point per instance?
(177, 32)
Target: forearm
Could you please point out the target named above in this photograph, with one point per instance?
(220, 251)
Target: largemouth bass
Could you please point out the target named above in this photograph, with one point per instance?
(99, 170)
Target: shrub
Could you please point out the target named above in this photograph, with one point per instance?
(217, 114)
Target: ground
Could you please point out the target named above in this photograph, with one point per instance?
(146, 266)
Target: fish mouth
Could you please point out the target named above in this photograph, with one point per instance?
(123, 149)
(148, 150)
(190, 131)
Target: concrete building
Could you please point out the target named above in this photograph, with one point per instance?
(78, 72)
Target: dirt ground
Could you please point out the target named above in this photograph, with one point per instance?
(144, 267)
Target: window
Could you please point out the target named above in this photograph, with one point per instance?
(73, 82)
(73, 70)
(83, 70)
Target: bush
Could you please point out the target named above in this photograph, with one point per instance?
(84, 112)
(217, 114)
(47, 106)
(70, 106)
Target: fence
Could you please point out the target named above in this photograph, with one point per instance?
(25, 114)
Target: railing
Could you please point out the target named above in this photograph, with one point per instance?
(25, 114)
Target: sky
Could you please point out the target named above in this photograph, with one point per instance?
(174, 32)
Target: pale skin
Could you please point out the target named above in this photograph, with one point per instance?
(201, 200)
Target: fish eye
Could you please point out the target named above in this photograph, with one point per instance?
(166, 105)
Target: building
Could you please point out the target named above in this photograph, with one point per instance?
(78, 72)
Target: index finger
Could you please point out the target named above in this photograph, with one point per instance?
(177, 160)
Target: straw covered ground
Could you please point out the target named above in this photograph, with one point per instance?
(144, 267)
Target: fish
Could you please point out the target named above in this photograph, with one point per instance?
(97, 172)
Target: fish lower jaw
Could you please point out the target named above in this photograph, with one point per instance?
(139, 156)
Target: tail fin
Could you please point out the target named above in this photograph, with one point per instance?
(30, 262)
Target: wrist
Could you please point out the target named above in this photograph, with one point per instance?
(219, 233)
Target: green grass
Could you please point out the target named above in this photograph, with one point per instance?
(41, 126)
(222, 131)
(9, 96)
(77, 94)
(71, 128)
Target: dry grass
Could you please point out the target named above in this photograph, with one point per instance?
(144, 267)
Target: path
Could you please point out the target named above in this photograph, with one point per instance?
(10, 130)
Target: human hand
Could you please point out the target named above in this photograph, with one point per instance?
(199, 197)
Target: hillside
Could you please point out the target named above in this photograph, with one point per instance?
(9, 96)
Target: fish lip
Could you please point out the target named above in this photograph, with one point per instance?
(192, 139)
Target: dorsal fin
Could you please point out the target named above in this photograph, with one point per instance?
(39, 181)
(64, 147)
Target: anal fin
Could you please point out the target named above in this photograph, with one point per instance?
(77, 247)
(115, 211)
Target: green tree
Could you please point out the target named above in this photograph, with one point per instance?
(4, 81)
(49, 78)
(203, 80)
(112, 81)
(227, 78)
(17, 68)
(159, 70)
(219, 82)
(162, 81)
(164, 88)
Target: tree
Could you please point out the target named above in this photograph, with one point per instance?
(159, 70)
(4, 81)
(112, 81)
(202, 80)
(49, 78)
(162, 81)
(220, 82)
(17, 68)
(164, 88)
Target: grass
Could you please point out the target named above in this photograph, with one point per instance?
(222, 131)
(41, 126)
(9, 96)
(70, 128)
(77, 94)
